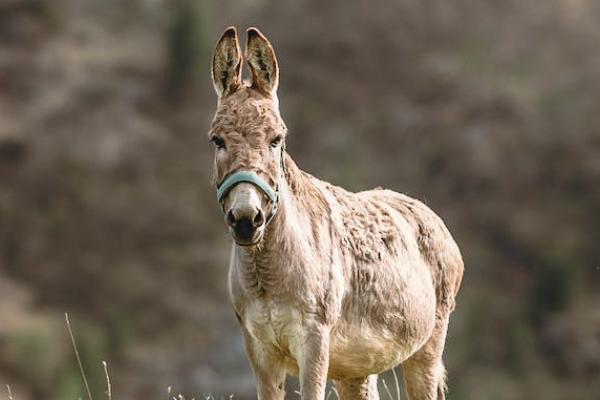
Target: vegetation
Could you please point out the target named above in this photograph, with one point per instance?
(187, 44)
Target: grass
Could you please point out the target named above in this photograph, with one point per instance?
(397, 382)
(9, 392)
(81, 370)
(332, 394)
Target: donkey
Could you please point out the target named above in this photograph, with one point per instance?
(325, 283)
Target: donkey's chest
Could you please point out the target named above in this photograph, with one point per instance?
(274, 323)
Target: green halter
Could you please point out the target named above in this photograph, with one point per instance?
(251, 177)
(246, 176)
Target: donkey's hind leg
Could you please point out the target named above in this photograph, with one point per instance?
(424, 372)
(358, 388)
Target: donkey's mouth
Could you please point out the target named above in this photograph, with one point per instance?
(246, 235)
(247, 242)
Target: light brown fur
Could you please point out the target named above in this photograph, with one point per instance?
(339, 285)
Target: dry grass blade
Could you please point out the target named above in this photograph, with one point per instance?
(108, 387)
(397, 384)
(337, 395)
(9, 392)
(387, 389)
(81, 370)
(328, 394)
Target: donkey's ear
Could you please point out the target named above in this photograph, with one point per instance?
(227, 63)
(262, 62)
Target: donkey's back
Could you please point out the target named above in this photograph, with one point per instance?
(435, 244)
(381, 224)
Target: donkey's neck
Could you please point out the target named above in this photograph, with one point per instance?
(292, 238)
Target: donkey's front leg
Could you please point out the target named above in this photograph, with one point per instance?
(268, 368)
(313, 360)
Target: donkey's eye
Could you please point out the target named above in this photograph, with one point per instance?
(276, 141)
(219, 142)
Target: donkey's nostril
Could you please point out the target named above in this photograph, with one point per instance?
(231, 219)
(259, 218)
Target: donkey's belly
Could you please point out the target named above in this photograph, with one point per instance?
(361, 351)
(377, 332)
(356, 357)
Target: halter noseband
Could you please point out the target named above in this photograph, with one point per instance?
(251, 177)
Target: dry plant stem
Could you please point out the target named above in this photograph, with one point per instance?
(336, 392)
(387, 389)
(9, 392)
(83, 376)
(108, 387)
(397, 384)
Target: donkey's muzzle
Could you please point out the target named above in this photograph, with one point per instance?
(245, 222)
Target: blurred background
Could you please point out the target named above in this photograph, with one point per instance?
(488, 111)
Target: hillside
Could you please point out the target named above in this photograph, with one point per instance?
(487, 111)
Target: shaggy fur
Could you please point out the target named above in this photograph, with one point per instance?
(339, 285)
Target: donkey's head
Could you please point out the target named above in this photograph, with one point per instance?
(248, 135)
